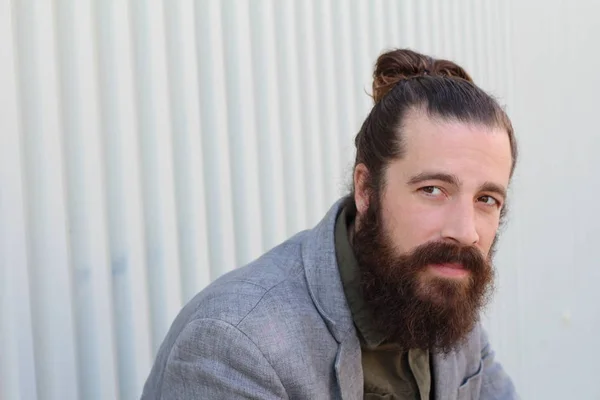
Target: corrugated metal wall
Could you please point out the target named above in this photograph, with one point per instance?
(147, 147)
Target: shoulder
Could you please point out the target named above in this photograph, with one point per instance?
(262, 313)
(269, 294)
(237, 293)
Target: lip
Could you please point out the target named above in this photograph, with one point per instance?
(450, 270)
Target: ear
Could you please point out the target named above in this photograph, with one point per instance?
(361, 188)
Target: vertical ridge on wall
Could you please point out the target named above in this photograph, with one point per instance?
(85, 199)
(457, 44)
(468, 38)
(151, 147)
(215, 141)
(122, 163)
(409, 24)
(506, 55)
(343, 75)
(288, 66)
(423, 26)
(392, 24)
(242, 130)
(187, 148)
(156, 144)
(360, 39)
(17, 364)
(328, 124)
(489, 45)
(445, 23)
(479, 40)
(309, 92)
(51, 282)
(376, 28)
(268, 123)
(437, 39)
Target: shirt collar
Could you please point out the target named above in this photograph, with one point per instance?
(350, 276)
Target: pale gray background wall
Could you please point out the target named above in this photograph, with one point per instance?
(147, 147)
(555, 227)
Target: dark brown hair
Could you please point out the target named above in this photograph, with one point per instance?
(404, 80)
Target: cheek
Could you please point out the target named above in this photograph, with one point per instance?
(411, 224)
(487, 231)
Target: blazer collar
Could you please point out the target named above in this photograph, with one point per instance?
(323, 277)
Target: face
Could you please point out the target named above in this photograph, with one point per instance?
(449, 186)
(424, 242)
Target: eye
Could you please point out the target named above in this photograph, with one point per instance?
(431, 190)
(489, 201)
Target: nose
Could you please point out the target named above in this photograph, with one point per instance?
(460, 225)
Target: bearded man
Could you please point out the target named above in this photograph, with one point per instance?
(382, 299)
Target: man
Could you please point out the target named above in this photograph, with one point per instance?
(380, 300)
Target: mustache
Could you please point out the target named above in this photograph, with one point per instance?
(469, 257)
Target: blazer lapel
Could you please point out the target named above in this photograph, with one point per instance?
(323, 277)
(326, 289)
(348, 368)
(445, 376)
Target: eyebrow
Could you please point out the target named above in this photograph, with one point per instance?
(455, 181)
(493, 188)
(435, 176)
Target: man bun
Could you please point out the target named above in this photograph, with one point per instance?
(402, 64)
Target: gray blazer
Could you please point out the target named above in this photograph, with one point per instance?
(280, 328)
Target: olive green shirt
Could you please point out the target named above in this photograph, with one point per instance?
(389, 372)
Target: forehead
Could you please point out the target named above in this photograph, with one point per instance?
(475, 153)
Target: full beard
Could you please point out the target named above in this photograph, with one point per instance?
(413, 308)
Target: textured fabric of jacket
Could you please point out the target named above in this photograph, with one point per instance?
(280, 328)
